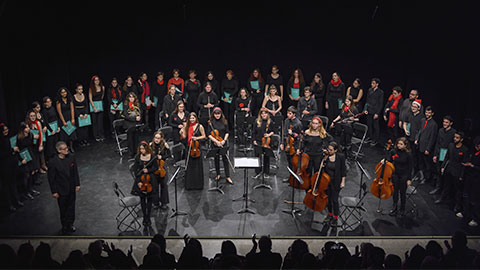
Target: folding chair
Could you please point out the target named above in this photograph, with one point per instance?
(358, 139)
(412, 191)
(275, 144)
(127, 218)
(167, 134)
(353, 209)
(177, 155)
(119, 137)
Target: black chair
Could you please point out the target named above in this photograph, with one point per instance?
(119, 137)
(353, 210)
(127, 218)
(410, 193)
(358, 139)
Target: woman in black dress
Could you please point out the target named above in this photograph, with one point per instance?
(262, 129)
(191, 133)
(206, 101)
(318, 92)
(275, 79)
(170, 102)
(343, 123)
(29, 168)
(145, 98)
(144, 169)
(41, 119)
(132, 115)
(193, 88)
(178, 120)
(66, 113)
(229, 91)
(296, 84)
(273, 104)
(314, 142)
(242, 114)
(8, 169)
(402, 177)
(334, 97)
(53, 127)
(159, 90)
(209, 77)
(81, 112)
(256, 86)
(96, 92)
(129, 86)
(219, 124)
(336, 169)
(356, 92)
(38, 138)
(161, 149)
(115, 96)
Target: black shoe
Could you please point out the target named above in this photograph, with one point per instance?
(328, 219)
(34, 192)
(29, 196)
(334, 223)
(393, 212)
(435, 191)
(71, 229)
(439, 201)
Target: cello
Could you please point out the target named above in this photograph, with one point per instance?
(316, 198)
(382, 187)
(300, 165)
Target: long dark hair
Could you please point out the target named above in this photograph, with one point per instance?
(320, 83)
(252, 78)
(59, 96)
(301, 79)
(92, 85)
(212, 117)
(405, 141)
(21, 128)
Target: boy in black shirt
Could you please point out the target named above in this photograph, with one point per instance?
(426, 142)
(374, 106)
(444, 138)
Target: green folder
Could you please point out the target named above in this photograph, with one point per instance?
(25, 155)
(35, 132)
(227, 96)
(98, 106)
(408, 127)
(443, 153)
(69, 129)
(255, 85)
(119, 105)
(82, 122)
(155, 101)
(340, 103)
(54, 126)
(295, 92)
(13, 141)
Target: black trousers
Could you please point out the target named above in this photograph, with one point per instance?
(333, 205)
(471, 197)
(415, 156)
(437, 177)
(320, 105)
(225, 164)
(399, 188)
(146, 202)
(9, 185)
(426, 164)
(97, 124)
(228, 110)
(157, 116)
(192, 102)
(82, 133)
(393, 133)
(66, 203)
(373, 127)
(453, 186)
(346, 132)
(314, 164)
(132, 140)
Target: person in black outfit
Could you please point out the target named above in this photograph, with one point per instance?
(193, 88)
(334, 96)
(115, 97)
(374, 106)
(404, 109)
(159, 91)
(132, 115)
(29, 169)
(453, 169)
(265, 259)
(145, 99)
(343, 124)
(295, 83)
(307, 107)
(96, 92)
(243, 115)
(81, 112)
(168, 260)
(50, 116)
(275, 79)
(256, 87)
(444, 138)
(411, 127)
(273, 104)
(356, 92)
(336, 169)
(177, 120)
(292, 128)
(390, 114)
(170, 102)
(8, 169)
(262, 129)
(209, 77)
(206, 101)
(472, 186)
(318, 91)
(161, 149)
(402, 177)
(219, 124)
(426, 142)
(315, 141)
(145, 186)
(64, 184)
(230, 89)
(66, 112)
(129, 86)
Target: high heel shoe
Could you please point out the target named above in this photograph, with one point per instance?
(229, 180)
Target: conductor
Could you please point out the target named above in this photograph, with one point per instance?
(64, 183)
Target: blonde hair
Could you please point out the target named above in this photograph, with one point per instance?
(322, 131)
(259, 118)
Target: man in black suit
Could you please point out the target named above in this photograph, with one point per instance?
(427, 137)
(64, 183)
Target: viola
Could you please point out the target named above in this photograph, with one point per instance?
(381, 186)
(300, 165)
(316, 198)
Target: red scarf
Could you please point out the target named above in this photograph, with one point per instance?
(190, 133)
(114, 93)
(160, 82)
(40, 133)
(391, 115)
(346, 108)
(130, 105)
(146, 90)
(336, 83)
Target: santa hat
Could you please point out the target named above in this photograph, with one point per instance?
(417, 102)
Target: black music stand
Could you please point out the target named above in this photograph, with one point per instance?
(246, 163)
(212, 153)
(363, 172)
(175, 211)
(293, 210)
(269, 153)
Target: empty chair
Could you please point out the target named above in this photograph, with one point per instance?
(120, 137)
(127, 218)
(358, 139)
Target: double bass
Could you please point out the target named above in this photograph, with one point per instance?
(300, 165)
(382, 187)
(316, 198)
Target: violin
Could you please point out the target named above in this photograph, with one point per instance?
(215, 134)
(300, 164)
(316, 198)
(266, 142)
(161, 168)
(145, 178)
(194, 148)
(381, 186)
(289, 146)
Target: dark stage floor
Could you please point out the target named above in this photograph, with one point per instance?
(214, 214)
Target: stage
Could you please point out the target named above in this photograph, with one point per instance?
(212, 214)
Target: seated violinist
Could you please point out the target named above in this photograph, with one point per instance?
(292, 129)
(144, 168)
(218, 134)
(336, 169)
(262, 131)
(343, 123)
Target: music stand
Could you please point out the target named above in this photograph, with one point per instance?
(212, 153)
(363, 172)
(269, 153)
(175, 211)
(293, 210)
(245, 164)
